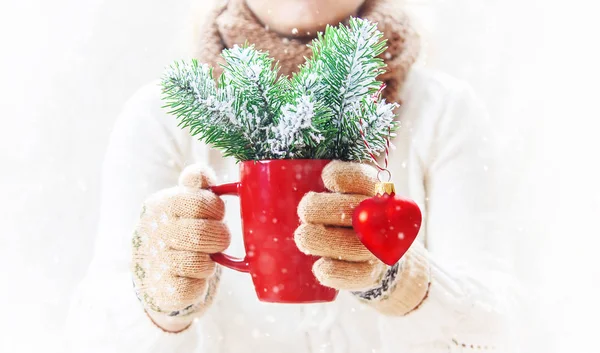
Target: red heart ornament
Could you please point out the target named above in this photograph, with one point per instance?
(387, 225)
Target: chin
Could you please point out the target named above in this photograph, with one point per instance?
(299, 17)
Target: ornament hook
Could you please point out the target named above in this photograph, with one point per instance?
(382, 172)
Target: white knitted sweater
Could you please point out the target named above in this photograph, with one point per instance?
(444, 159)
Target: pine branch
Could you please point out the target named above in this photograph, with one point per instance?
(295, 136)
(376, 119)
(253, 79)
(253, 114)
(346, 61)
(191, 95)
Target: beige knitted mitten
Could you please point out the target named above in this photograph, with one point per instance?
(173, 274)
(326, 231)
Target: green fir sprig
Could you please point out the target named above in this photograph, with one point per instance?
(252, 113)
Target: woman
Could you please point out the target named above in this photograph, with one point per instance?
(444, 295)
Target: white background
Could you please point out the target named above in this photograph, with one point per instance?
(67, 67)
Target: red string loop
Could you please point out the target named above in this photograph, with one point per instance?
(375, 97)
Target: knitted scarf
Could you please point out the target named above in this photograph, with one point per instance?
(231, 22)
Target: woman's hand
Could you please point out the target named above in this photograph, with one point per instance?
(326, 228)
(173, 275)
(345, 264)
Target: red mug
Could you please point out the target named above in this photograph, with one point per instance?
(269, 192)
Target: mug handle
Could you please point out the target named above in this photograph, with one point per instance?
(231, 262)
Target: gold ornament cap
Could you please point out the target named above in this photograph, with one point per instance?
(383, 188)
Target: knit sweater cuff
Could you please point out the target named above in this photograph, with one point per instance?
(410, 286)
